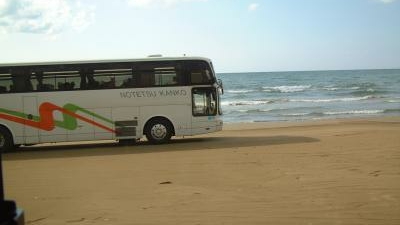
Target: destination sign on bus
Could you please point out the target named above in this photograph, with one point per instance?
(152, 94)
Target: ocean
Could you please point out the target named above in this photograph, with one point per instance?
(309, 95)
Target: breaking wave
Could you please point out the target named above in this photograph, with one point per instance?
(349, 99)
(243, 103)
(287, 89)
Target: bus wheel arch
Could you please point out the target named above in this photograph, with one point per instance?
(158, 130)
(6, 139)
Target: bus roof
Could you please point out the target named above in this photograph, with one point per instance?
(149, 59)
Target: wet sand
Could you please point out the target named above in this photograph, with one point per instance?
(324, 172)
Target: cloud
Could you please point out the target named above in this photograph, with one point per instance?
(44, 16)
(151, 3)
(387, 1)
(253, 6)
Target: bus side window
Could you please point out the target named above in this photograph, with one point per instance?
(113, 75)
(21, 81)
(48, 82)
(147, 79)
(5, 82)
(66, 82)
(3, 89)
(43, 82)
(55, 78)
(133, 82)
(199, 72)
(165, 76)
(39, 80)
(126, 81)
(145, 74)
(92, 83)
(160, 73)
(87, 79)
(107, 82)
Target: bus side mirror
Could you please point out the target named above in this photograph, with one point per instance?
(221, 86)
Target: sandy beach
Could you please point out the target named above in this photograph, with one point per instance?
(322, 172)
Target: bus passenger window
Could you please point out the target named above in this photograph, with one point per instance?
(147, 79)
(91, 82)
(199, 72)
(5, 82)
(3, 89)
(150, 74)
(128, 83)
(21, 81)
(112, 76)
(165, 76)
(107, 83)
(39, 80)
(66, 86)
(124, 80)
(48, 82)
(132, 80)
(87, 79)
(67, 80)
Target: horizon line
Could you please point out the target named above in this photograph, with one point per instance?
(312, 70)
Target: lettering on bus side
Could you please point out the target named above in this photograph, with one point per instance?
(152, 94)
(172, 93)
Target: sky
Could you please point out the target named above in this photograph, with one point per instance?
(237, 35)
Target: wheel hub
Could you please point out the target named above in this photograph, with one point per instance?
(158, 131)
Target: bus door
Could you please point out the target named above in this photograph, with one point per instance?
(30, 109)
(204, 110)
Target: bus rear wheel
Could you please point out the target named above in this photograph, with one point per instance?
(158, 131)
(6, 141)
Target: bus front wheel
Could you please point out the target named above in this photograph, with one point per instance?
(6, 141)
(158, 131)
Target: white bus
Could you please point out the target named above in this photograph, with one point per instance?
(108, 99)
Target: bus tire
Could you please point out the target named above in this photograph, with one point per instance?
(158, 131)
(6, 140)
